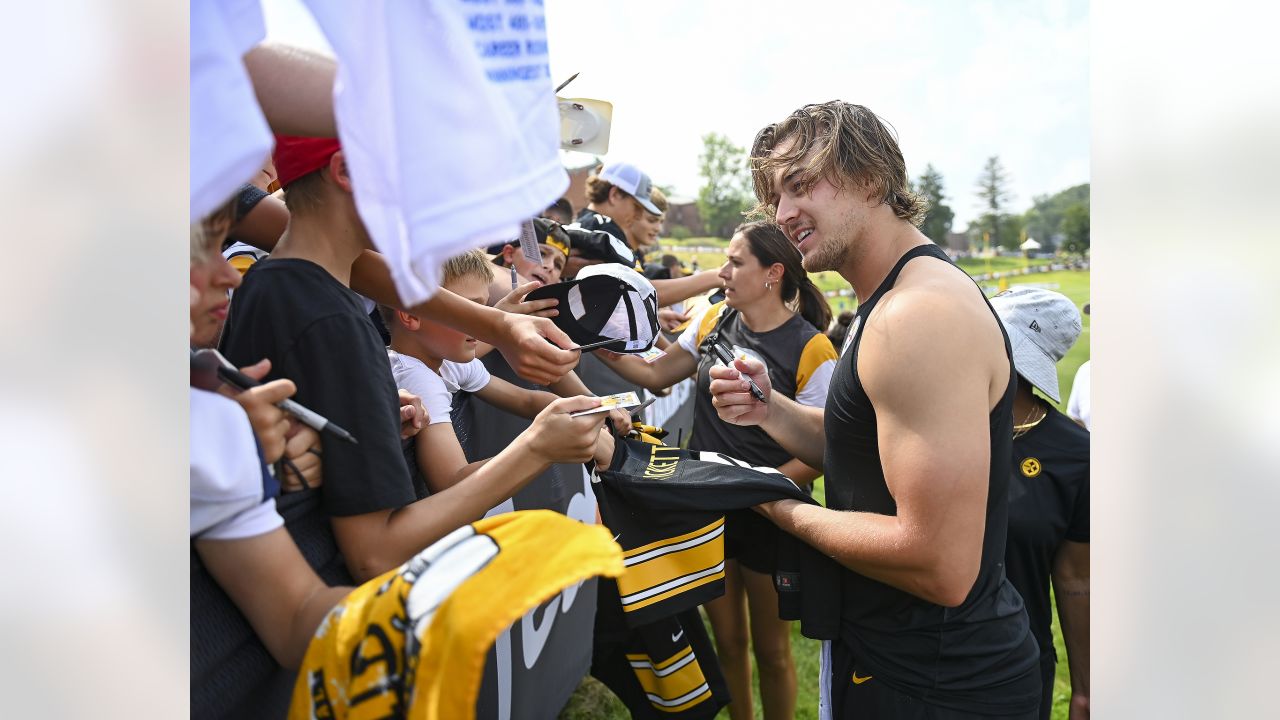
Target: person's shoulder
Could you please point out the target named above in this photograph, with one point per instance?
(1067, 433)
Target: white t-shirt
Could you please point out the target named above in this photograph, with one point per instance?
(230, 139)
(227, 474)
(449, 123)
(435, 390)
(814, 392)
(1078, 404)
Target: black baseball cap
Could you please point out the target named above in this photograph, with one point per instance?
(606, 302)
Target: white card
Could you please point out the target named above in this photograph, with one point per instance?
(652, 354)
(529, 243)
(620, 400)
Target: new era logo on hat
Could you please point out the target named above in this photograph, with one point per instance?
(631, 180)
(1042, 326)
(606, 302)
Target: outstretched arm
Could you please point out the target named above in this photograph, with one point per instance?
(375, 542)
(664, 372)
(677, 289)
(295, 88)
(528, 343)
(274, 587)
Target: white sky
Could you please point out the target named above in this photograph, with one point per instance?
(959, 81)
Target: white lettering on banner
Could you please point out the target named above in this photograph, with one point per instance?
(503, 654)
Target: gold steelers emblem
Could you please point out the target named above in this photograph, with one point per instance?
(1031, 467)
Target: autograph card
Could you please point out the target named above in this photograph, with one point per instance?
(529, 243)
(621, 400)
(652, 354)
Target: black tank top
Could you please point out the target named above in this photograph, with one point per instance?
(978, 657)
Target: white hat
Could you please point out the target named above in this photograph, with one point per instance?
(631, 180)
(1042, 326)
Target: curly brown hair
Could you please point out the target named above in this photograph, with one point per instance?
(839, 141)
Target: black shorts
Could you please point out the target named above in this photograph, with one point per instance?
(857, 694)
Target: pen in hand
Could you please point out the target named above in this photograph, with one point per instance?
(212, 360)
(726, 357)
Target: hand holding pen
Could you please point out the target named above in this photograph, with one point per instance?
(724, 355)
(211, 361)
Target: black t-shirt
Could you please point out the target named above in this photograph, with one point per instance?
(316, 333)
(1048, 503)
(979, 657)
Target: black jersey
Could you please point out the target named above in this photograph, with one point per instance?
(1048, 503)
(979, 657)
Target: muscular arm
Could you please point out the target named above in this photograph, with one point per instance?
(272, 584)
(1071, 590)
(295, 88)
(930, 367)
(677, 289)
(667, 370)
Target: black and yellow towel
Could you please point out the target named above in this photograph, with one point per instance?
(667, 506)
(411, 643)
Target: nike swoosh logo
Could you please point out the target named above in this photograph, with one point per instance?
(676, 636)
(859, 680)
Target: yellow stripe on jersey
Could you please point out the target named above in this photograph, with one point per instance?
(671, 566)
(665, 542)
(674, 684)
(817, 351)
(679, 560)
(695, 580)
(709, 320)
(242, 262)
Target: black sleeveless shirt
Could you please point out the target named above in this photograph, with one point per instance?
(979, 657)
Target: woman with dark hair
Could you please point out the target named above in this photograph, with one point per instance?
(772, 311)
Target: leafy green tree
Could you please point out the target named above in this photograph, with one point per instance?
(938, 219)
(1075, 228)
(1044, 219)
(725, 196)
(993, 190)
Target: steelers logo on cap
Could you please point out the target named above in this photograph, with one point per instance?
(1030, 467)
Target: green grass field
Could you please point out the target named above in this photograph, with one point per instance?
(593, 700)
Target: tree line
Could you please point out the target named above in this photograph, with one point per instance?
(1058, 222)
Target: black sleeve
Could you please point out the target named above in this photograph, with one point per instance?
(341, 369)
(1078, 525)
(247, 199)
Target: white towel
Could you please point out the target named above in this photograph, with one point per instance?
(449, 125)
(230, 140)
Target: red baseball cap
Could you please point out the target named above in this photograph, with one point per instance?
(296, 156)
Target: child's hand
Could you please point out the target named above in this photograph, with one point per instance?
(604, 450)
(621, 420)
(557, 438)
(413, 416)
(513, 302)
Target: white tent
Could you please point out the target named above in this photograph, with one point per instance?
(1030, 244)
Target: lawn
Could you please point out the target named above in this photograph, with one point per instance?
(593, 700)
